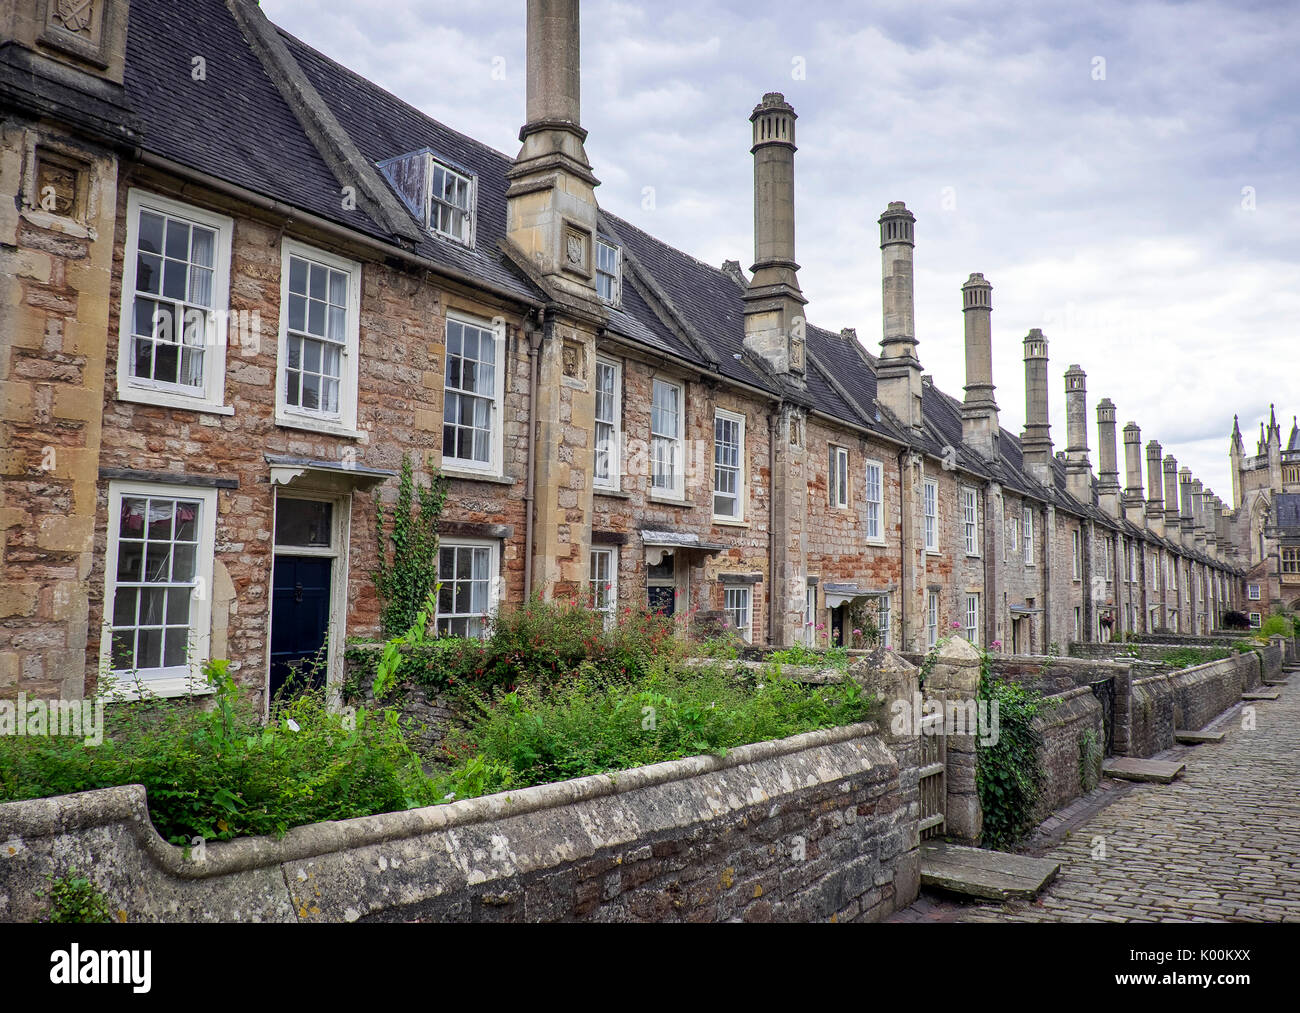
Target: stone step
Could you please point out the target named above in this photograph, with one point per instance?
(992, 875)
(1262, 694)
(1277, 682)
(1130, 768)
(1189, 738)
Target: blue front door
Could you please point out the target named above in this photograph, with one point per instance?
(300, 610)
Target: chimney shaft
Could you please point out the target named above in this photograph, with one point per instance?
(1078, 470)
(554, 81)
(1155, 489)
(551, 200)
(979, 414)
(898, 371)
(1108, 478)
(774, 320)
(1036, 441)
(1173, 519)
(1134, 507)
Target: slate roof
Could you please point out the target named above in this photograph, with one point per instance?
(1286, 510)
(237, 127)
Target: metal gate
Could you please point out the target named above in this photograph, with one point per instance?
(1104, 691)
(934, 778)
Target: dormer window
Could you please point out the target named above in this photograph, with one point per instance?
(451, 208)
(609, 259)
(437, 193)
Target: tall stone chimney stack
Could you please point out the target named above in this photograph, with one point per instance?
(1134, 506)
(1036, 440)
(1173, 518)
(1187, 519)
(898, 371)
(551, 200)
(1198, 513)
(774, 315)
(1155, 489)
(979, 413)
(1108, 477)
(1078, 469)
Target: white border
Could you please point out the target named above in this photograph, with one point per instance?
(494, 466)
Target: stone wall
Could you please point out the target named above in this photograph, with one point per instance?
(821, 826)
(1063, 723)
(1202, 693)
(1152, 716)
(1144, 652)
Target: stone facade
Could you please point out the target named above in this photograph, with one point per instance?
(930, 509)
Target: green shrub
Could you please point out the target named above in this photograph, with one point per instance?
(1189, 657)
(1007, 774)
(1090, 757)
(590, 725)
(219, 773)
(1277, 625)
(799, 654)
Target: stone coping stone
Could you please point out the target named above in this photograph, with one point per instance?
(991, 875)
(1129, 768)
(1262, 694)
(1190, 738)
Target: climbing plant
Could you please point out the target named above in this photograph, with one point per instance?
(406, 572)
(1007, 774)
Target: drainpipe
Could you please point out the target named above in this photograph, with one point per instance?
(902, 558)
(992, 607)
(534, 336)
(773, 428)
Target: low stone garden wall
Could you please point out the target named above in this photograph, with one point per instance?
(820, 826)
(1142, 652)
(1064, 724)
(1152, 715)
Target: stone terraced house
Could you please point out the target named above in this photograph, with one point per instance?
(240, 282)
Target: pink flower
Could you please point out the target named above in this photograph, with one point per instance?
(956, 626)
(857, 633)
(888, 648)
(997, 645)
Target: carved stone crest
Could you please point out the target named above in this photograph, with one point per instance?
(75, 15)
(573, 249)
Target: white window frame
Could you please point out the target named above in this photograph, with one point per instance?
(432, 203)
(1256, 620)
(1013, 532)
(609, 595)
(931, 507)
(493, 466)
(177, 680)
(1076, 545)
(810, 614)
(1078, 622)
(972, 613)
(614, 454)
(344, 421)
(1252, 592)
(738, 517)
(1028, 517)
(616, 286)
(739, 598)
(676, 443)
(931, 618)
(970, 520)
(838, 484)
(494, 576)
(885, 621)
(211, 396)
(873, 506)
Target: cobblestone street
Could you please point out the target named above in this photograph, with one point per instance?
(1222, 843)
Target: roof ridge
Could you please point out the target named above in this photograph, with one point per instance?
(349, 72)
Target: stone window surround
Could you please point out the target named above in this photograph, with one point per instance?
(742, 486)
(200, 606)
(614, 482)
(458, 467)
(128, 387)
(867, 501)
(292, 417)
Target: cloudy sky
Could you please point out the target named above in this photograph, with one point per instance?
(1124, 173)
